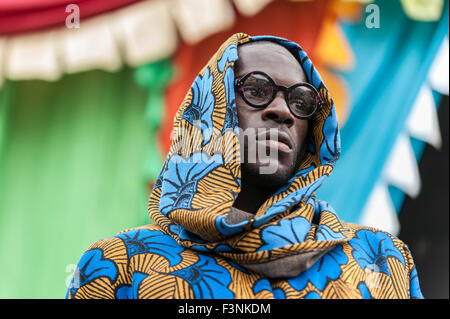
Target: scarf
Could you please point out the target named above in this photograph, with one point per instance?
(295, 246)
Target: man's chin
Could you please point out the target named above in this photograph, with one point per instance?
(271, 175)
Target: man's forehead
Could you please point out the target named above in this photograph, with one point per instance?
(268, 56)
(258, 45)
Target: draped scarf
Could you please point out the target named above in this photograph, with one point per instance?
(193, 197)
(199, 246)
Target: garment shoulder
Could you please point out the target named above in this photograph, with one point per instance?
(382, 254)
(104, 267)
(115, 247)
(378, 243)
(375, 234)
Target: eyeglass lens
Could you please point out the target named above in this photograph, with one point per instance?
(258, 90)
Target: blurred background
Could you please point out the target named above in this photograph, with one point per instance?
(88, 91)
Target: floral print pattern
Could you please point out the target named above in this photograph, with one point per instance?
(295, 246)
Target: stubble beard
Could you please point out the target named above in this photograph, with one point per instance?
(253, 175)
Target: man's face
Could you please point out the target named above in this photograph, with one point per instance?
(284, 69)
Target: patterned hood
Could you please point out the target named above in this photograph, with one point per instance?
(200, 179)
(199, 246)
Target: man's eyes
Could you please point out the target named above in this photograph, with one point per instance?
(256, 92)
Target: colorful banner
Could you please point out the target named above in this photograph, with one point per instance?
(392, 62)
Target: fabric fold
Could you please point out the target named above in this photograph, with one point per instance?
(201, 176)
(200, 246)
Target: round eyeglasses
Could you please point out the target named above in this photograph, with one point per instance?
(258, 90)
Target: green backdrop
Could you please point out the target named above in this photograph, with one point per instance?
(72, 171)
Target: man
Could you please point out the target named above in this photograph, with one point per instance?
(226, 229)
(281, 66)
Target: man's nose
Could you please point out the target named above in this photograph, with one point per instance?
(278, 111)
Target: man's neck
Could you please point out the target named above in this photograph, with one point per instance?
(251, 198)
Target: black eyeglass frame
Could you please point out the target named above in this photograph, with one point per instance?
(239, 82)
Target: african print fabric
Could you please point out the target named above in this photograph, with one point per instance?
(295, 246)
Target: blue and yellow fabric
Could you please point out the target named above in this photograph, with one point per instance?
(295, 246)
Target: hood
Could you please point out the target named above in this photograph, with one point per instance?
(200, 179)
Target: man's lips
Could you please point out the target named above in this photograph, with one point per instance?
(280, 140)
